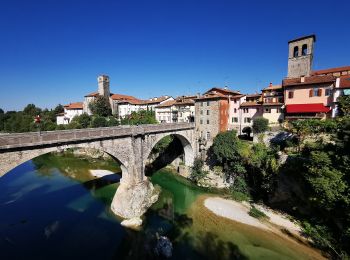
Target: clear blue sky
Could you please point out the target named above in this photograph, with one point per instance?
(52, 51)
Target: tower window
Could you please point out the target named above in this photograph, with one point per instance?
(304, 50)
(296, 51)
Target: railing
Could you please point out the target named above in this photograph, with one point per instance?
(8, 141)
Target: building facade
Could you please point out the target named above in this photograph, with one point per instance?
(70, 111)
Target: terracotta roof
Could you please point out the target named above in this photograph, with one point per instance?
(122, 97)
(304, 37)
(76, 105)
(238, 96)
(331, 70)
(224, 91)
(93, 94)
(273, 87)
(250, 104)
(253, 95)
(168, 103)
(212, 95)
(185, 102)
(345, 81)
(156, 100)
(308, 80)
(307, 108)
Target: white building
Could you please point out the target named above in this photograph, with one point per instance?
(70, 111)
(180, 110)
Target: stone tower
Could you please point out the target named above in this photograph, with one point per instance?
(300, 56)
(103, 86)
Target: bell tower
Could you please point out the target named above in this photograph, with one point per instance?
(103, 86)
(301, 52)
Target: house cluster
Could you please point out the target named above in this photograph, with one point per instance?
(304, 93)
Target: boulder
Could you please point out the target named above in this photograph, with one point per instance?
(132, 200)
(133, 223)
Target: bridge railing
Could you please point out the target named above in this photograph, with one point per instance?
(8, 141)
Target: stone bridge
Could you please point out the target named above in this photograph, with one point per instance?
(129, 145)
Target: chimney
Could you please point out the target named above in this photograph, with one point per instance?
(225, 88)
(270, 84)
(103, 86)
(302, 79)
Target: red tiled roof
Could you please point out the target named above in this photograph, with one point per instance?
(307, 108)
(331, 70)
(224, 91)
(93, 94)
(308, 80)
(273, 87)
(253, 95)
(121, 97)
(156, 100)
(168, 103)
(250, 104)
(212, 95)
(345, 81)
(76, 105)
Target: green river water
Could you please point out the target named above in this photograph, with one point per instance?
(53, 208)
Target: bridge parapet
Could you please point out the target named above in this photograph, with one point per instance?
(21, 140)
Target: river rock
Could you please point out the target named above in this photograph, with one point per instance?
(164, 247)
(133, 223)
(132, 200)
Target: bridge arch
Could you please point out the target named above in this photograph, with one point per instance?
(186, 145)
(19, 157)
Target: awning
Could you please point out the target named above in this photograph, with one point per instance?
(307, 108)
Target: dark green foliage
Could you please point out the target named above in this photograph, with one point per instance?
(344, 105)
(99, 121)
(163, 144)
(239, 189)
(255, 213)
(31, 110)
(100, 107)
(197, 172)
(112, 121)
(139, 118)
(1, 111)
(58, 109)
(260, 125)
(82, 120)
(247, 130)
(60, 127)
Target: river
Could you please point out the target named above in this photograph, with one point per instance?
(53, 208)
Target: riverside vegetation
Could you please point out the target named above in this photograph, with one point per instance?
(311, 185)
(23, 121)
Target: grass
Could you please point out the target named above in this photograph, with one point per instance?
(255, 213)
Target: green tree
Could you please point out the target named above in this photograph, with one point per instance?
(100, 107)
(344, 105)
(58, 109)
(83, 120)
(1, 111)
(197, 172)
(260, 125)
(31, 110)
(99, 121)
(247, 130)
(112, 121)
(139, 118)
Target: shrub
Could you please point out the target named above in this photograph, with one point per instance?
(255, 213)
(83, 120)
(101, 106)
(98, 121)
(197, 172)
(260, 125)
(247, 130)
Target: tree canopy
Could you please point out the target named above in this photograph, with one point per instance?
(101, 107)
(260, 125)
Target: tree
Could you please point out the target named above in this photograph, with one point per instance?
(139, 118)
(1, 111)
(58, 109)
(344, 105)
(31, 110)
(260, 125)
(99, 121)
(112, 121)
(197, 172)
(247, 130)
(83, 120)
(100, 107)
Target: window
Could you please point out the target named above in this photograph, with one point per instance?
(267, 110)
(245, 110)
(208, 103)
(208, 112)
(235, 100)
(316, 92)
(278, 110)
(201, 112)
(207, 122)
(328, 92)
(304, 50)
(201, 121)
(296, 51)
(235, 110)
(208, 135)
(234, 119)
(202, 104)
(290, 94)
(247, 120)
